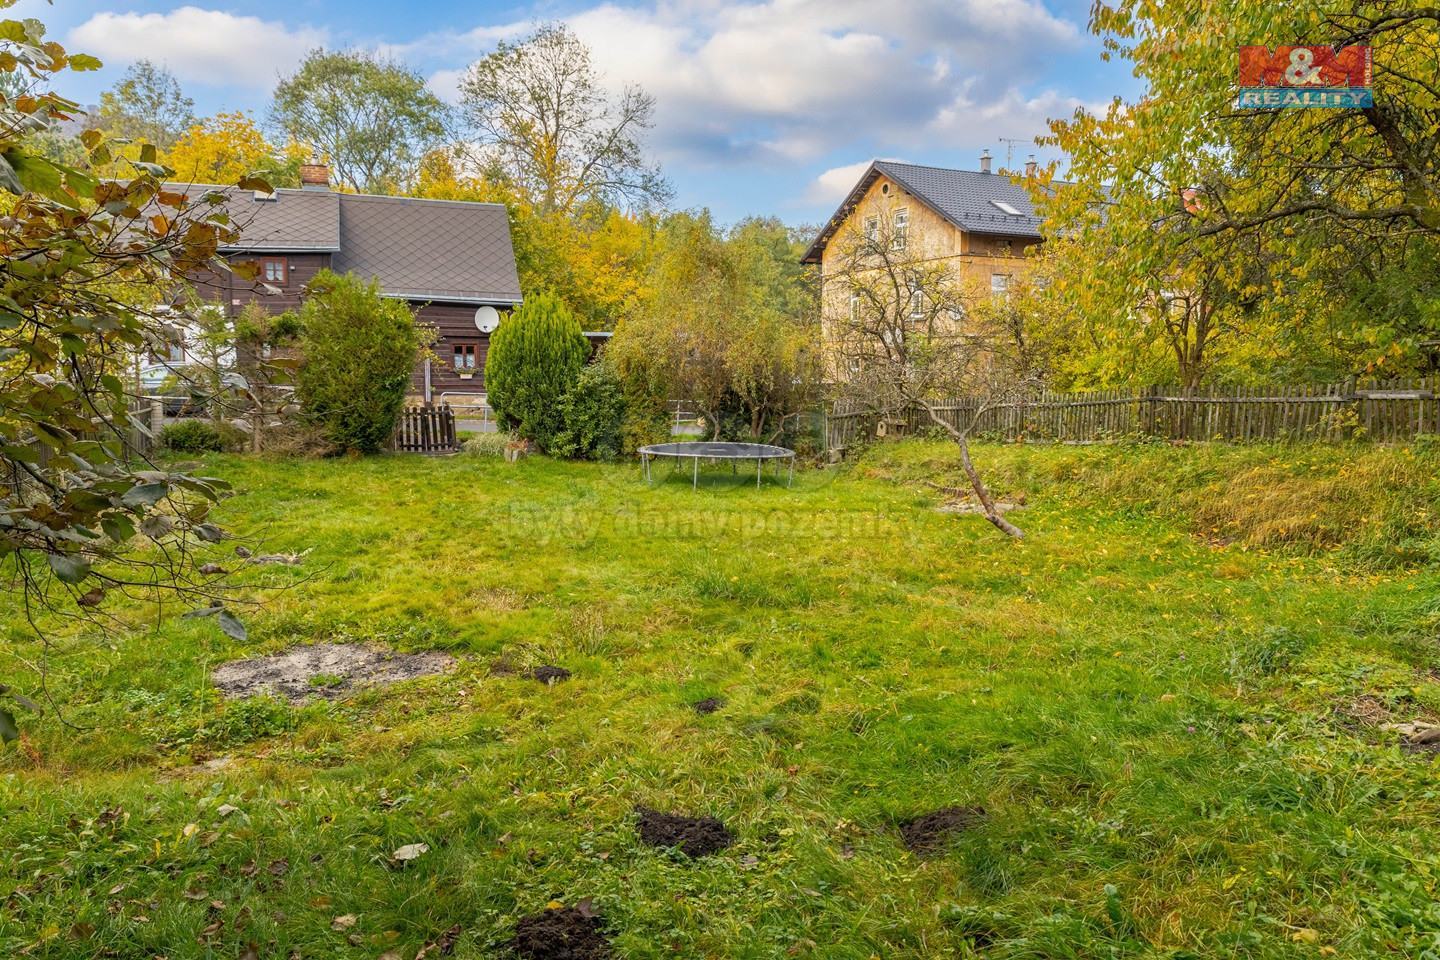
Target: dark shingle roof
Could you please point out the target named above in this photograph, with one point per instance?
(418, 249)
(964, 197)
(429, 249)
(294, 221)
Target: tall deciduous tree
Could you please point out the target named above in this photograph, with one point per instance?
(147, 104)
(542, 115)
(902, 338)
(229, 146)
(371, 118)
(726, 323)
(1246, 220)
(83, 264)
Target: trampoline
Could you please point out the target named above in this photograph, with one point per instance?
(717, 450)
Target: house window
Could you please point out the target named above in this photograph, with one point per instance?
(275, 271)
(856, 306)
(465, 357)
(872, 228)
(902, 229)
(1002, 247)
(999, 285)
(917, 301)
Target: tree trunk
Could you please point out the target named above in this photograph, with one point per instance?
(991, 513)
(962, 440)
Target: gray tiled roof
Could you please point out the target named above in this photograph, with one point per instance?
(964, 197)
(961, 196)
(294, 221)
(429, 249)
(445, 250)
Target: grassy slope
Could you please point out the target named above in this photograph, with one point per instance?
(1139, 711)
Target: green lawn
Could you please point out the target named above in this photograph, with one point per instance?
(1146, 710)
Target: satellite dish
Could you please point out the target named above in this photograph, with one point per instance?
(487, 319)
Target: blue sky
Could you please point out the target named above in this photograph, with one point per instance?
(763, 107)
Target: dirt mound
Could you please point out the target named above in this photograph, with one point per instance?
(926, 834)
(324, 670)
(708, 705)
(695, 836)
(550, 674)
(566, 933)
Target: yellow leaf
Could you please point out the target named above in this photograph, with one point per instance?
(554, 905)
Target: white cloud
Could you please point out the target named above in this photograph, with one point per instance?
(832, 186)
(793, 80)
(199, 46)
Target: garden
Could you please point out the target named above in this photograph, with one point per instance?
(1184, 716)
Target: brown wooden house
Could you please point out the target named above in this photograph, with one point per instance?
(451, 260)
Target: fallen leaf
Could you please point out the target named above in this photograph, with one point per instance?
(91, 598)
(747, 862)
(226, 809)
(443, 946)
(1306, 935)
(586, 908)
(847, 852)
(343, 922)
(210, 931)
(813, 893)
(279, 868)
(320, 902)
(249, 869)
(117, 888)
(554, 905)
(411, 851)
(505, 839)
(251, 951)
(81, 931)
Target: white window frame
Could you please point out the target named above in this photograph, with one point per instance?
(901, 221)
(1000, 290)
(916, 306)
(855, 301)
(872, 227)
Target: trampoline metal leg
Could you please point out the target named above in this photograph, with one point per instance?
(695, 480)
(758, 462)
(791, 482)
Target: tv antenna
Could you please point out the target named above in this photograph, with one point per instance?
(1010, 148)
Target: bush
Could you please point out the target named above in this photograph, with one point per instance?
(486, 444)
(360, 350)
(535, 358)
(593, 414)
(191, 436)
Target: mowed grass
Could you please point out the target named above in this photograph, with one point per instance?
(1143, 700)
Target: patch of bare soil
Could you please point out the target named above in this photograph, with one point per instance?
(566, 933)
(926, 834)
(708, 705)
(695, 836)
(550, 674)
(974, 506)
(325, 670)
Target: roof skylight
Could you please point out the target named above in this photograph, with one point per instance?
(1006, 208)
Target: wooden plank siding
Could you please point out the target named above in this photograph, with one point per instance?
(453, 324)
(234, 293)
(1381, 411)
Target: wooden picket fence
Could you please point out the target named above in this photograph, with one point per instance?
(1383, 411)
(426, 429)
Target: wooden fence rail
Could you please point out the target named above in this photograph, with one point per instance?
(426, 430)
(1384, 411)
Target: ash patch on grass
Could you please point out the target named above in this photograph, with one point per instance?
(550, 673)
(566, 933)
(695, 836)
(708, 705)
(926, 834)
(325, 670)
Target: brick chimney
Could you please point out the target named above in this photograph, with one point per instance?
(1031, 166)
(985, 162)
(314, 176)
